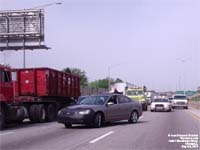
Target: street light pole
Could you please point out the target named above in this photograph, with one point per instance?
(181, 80)
(46, 5)
(108, 78)
(24, 58)
(36, 7)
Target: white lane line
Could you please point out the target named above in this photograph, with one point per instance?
(6, 133)
(141, 117)
(101, 137)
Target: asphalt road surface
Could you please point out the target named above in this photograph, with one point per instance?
(154, 131)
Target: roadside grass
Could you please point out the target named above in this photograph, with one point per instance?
(195, 99)
(194, 102)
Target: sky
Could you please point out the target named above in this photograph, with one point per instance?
(155, 43)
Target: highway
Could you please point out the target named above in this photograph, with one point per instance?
(153, 132)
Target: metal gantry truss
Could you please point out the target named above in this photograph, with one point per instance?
(22, 29)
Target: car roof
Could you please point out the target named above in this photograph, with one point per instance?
(106, 94)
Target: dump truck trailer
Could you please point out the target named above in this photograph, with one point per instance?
(35, 93)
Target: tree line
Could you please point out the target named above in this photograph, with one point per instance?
(99, 83)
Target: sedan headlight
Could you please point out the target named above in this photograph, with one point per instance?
(84, 112)
(59, 112)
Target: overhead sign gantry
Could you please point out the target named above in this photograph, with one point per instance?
(22, 30)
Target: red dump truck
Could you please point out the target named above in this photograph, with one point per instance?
(35, 93)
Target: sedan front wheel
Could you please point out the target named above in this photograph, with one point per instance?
(98, 120)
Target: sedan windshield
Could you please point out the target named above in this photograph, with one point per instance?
(94, 100)
(161, 100)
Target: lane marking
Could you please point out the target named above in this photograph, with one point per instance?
(141, 117)
(194, 115)
(101, 137)
(6, 133)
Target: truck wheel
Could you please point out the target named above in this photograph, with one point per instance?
(40, 113)
(20, 115)
(51, 113)
(145, 107)
(2, 117)
(32, 113)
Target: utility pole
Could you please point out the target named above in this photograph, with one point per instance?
(181, 82)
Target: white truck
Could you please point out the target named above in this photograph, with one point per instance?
(180, 100)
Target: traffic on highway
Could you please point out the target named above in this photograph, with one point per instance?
(115, 75)
(109, 121)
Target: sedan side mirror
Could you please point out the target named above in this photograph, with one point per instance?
(109, 104)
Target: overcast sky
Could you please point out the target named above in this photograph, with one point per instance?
(142, 41)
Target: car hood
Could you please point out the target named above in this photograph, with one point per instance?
(81, 107)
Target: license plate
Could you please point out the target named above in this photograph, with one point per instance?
(160, 107)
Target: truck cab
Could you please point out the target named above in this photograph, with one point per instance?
(138, 94)
(6, 93)
(6, 85)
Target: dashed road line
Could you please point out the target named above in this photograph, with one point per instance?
(101, 137)
(6, 133)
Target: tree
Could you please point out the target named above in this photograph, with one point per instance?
(102, 83)
(78, 72)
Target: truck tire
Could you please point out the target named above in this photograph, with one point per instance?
(145, 107)
(2, 117)
(20, 115)
(40, 113)
(32, 113)
(50, 113)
